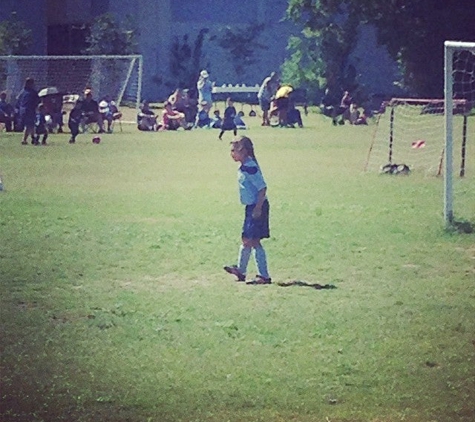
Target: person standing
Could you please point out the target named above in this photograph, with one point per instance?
(228, 120)
(74, 120)
(205, 91)
(253, 194)
(28, 100)
(265, 95)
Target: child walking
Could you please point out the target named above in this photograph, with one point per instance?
(252, 191)
(40, 126)
(228, 119)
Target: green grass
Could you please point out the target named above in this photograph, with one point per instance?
(114, 306)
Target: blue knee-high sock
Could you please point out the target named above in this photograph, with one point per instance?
(261, 261)
(243, 258)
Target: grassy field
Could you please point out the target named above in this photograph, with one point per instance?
(114, 305)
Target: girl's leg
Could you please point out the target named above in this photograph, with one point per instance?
(261, 260)
(243, 258)
(29, 132)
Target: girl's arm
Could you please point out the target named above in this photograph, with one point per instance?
(261, 196)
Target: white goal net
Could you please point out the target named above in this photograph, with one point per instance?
(411, 132)
(119, 77)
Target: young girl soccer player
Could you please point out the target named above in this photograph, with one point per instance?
(228, 120)
(252, 190)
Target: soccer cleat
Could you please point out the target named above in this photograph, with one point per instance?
(234, 270)
(260, 280)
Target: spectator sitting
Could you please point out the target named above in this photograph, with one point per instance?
(171, 119)
(181, 102)
(54, 111)
(282, 98)
(344, 109)
(331, 108)
(362, 119)
(40, 126)
(109, 112)
(202, 117)
(239, 121)
(90, 110)
(294, 116)
(352, 115)
(7, 112)
(216, 120)
(146, 118)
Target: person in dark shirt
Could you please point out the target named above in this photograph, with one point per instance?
(228, 120)
(40, 126)
(74, 120)
(90, 109)
(28, 100)
(146, 118)
(7, 112)
(294, 117)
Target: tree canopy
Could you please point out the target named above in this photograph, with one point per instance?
(107, 36)
(242, 45)
(15, 37)
(413, 31)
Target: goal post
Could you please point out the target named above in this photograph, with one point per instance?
(459, 82)
(118, 76)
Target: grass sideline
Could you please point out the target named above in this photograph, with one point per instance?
(114, 306)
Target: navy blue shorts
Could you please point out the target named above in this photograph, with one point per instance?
(256, 228)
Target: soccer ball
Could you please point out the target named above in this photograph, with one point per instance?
(96, 140)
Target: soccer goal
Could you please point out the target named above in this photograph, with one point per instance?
(120, 77)
(434, 137)
(410, 134)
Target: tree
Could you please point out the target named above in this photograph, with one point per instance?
(413, 31)
(242, 45)
(15, 37)
(319, 57)
(186, 60)
(106, 36)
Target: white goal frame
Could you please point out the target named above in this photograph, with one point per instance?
(134, 63)
(449, 48)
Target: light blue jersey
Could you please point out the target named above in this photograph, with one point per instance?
(250, 181)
